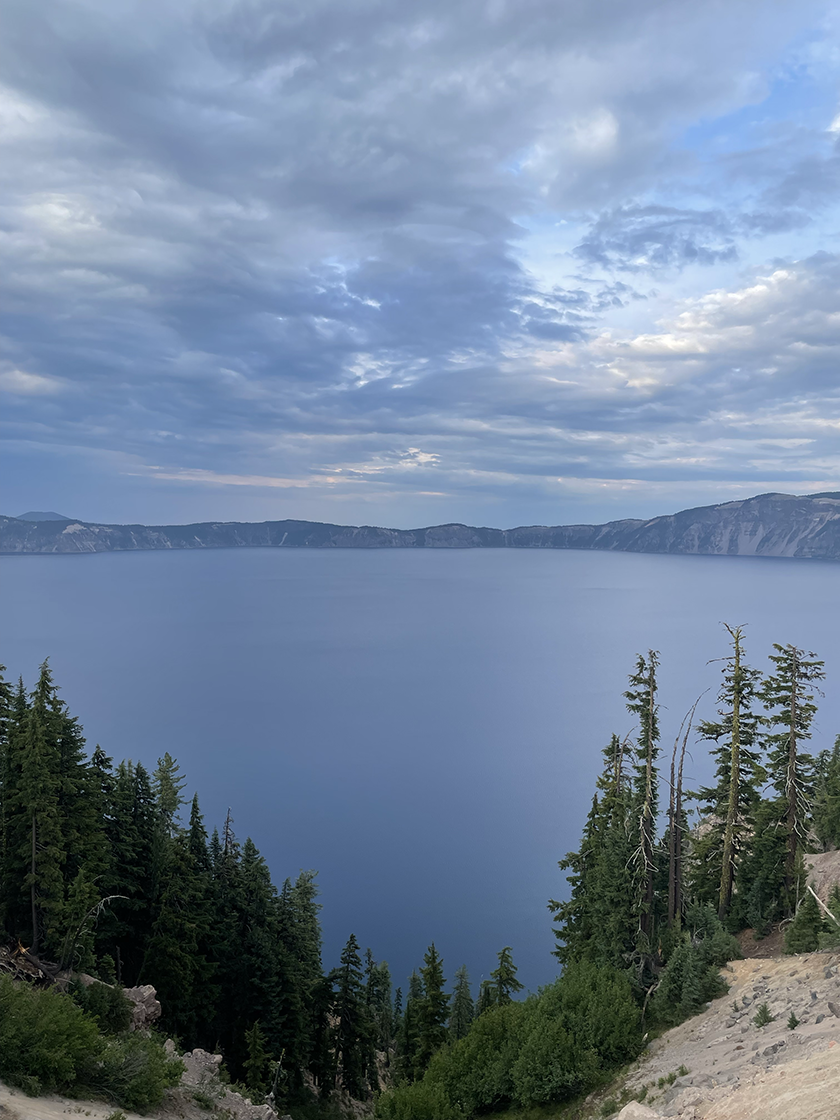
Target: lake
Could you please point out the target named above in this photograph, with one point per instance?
(422, 727)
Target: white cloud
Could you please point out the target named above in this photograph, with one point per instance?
(23, 384)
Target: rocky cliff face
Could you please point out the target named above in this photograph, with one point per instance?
(768, 525)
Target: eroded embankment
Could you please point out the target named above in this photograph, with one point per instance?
(739, 1071)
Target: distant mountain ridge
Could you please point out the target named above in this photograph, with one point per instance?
(782, 525)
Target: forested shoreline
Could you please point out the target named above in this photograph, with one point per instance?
(105, 870)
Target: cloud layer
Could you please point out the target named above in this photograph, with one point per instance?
(493, 261)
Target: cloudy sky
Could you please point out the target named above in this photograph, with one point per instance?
(369, 260)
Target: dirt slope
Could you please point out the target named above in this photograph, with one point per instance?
(738, 1071)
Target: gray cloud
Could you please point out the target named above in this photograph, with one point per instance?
(647, 238)
(251, 241)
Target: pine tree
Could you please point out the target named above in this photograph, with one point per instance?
(803, 934)
(599, 921)
(641, 702)
(197, 839)
(830, 935)
(827, 798)
(353, 1030)
(788, 696)
(15, 828)
(132, 833)
(504, 977)
(257, 1063)
(463, 1009)
(176, 954)
(434, 1008)
(486, 997)
(731, 802)
(36, 806)
(760, 875)
(408, 1038)
(378, 999)
(167, 783)
(300, 978)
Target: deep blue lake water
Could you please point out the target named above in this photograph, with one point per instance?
(423, 727)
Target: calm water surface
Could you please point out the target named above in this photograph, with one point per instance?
(423, 727)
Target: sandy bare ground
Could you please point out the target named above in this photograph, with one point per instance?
(738, 1071)
(15, 1105)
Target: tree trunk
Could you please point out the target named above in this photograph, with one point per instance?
(792, 780)
(727, 870)
(32, 894)
(672, 840)
(646, 923)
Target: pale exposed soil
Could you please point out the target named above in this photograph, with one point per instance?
(738, 1071)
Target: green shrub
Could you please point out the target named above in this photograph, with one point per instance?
(476, 1073)
(552, 1064)
(47, 1043)
(803, 934)
(691, 977)
(135, 1070)
(762, 1016)
(540, 1051)
(418, 1101)
(106, 1004)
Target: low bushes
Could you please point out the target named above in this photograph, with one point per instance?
(50, 1044)
(545, 1049)
(691, 976)
(46, 1041)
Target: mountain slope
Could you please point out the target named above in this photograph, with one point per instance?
(782, 525)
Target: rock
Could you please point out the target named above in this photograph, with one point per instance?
(145, 1008)
(200, 1069)
(819, 1018)
(636, 1111)
(688, 1098)
(835, 1011)
(701, 1081)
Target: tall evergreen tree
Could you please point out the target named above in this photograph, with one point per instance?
(486, 997)
(463, 1009)
(379, 1004)
(434, 1008)
(408, 1037)
(257, 1063)
(197, 839)
(301, 977)
(133, 835)
(827, 798)
(14, 904)
(641, 698)
(167, 783)
(176, 953)
(36, 806)
(353, 1029)
(788, 695)
(731, 802)
(504, 977)
(599, 921)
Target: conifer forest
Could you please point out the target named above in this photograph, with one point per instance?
(110, 870)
